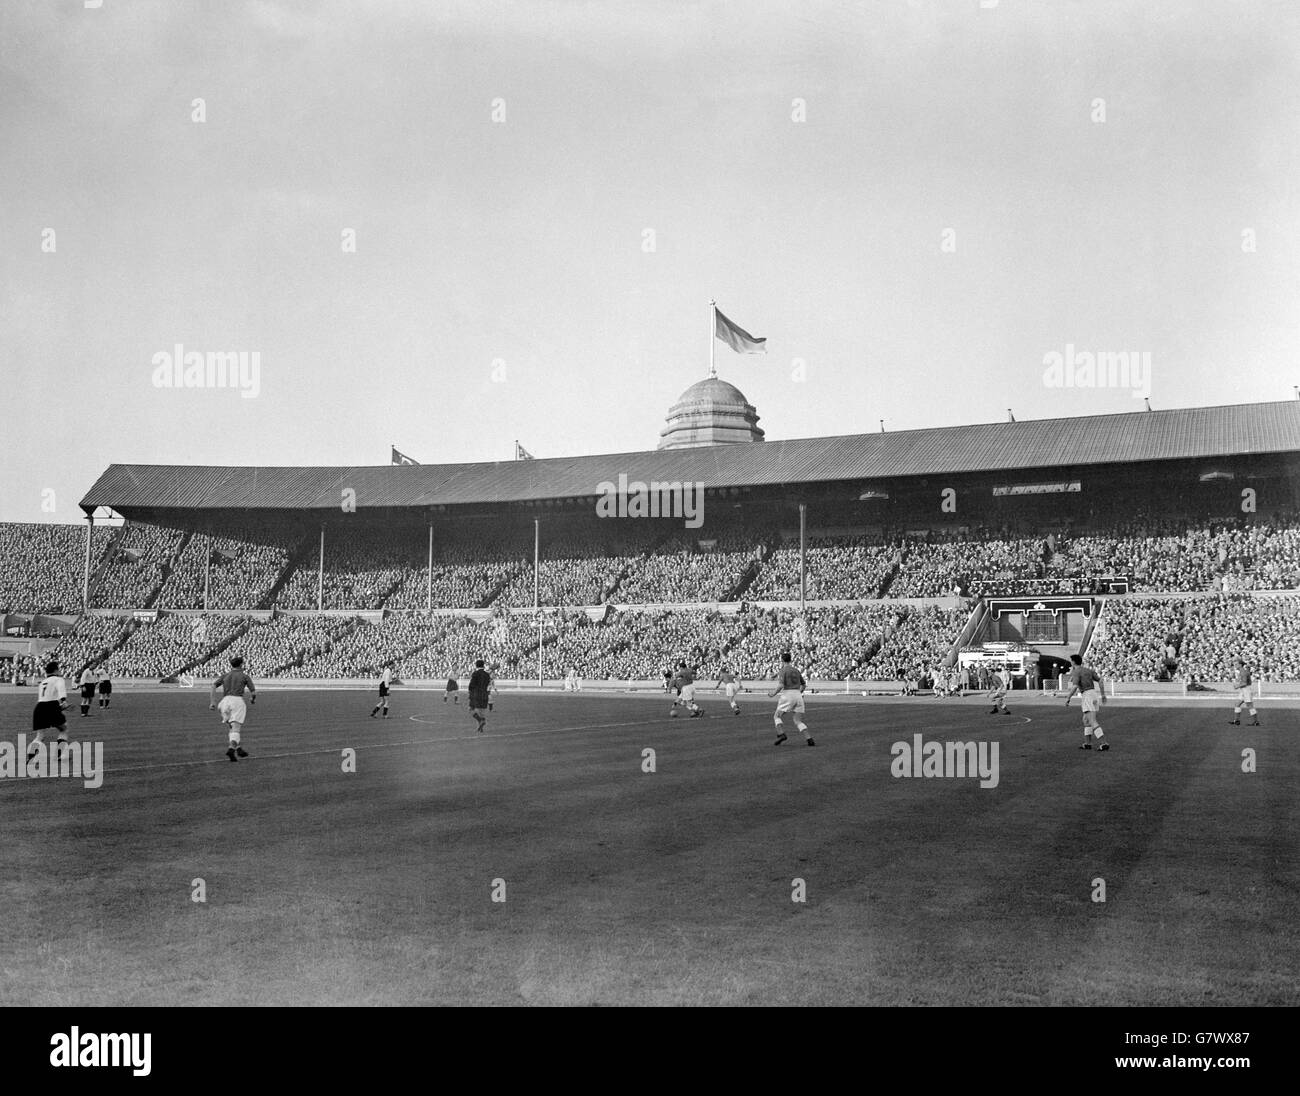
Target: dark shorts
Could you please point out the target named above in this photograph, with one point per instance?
(383, 689)
(48, 714)
(88, 691)
(105, 688)
(453, 687)
(478, 702)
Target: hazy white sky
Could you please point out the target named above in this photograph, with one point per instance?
(524, 241)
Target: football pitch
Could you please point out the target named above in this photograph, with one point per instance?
(384, 886)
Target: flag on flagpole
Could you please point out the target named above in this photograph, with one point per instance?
(740, 340)
(521, 453)
(402, 458)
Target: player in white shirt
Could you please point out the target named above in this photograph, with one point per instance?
(385, 680)
(51, 700)
(88, 680)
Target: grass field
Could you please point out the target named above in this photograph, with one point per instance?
(674, 887)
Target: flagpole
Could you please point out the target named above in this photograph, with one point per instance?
(713, 336)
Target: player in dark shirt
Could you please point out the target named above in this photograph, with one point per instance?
(1245, 694)
(1085, 681)
(385, 680)
(727, 678)
(233, 713)
(684, 683)
(480, 692)
(790, 685)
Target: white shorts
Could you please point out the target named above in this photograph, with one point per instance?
(688, 694)
(1246, 693)
(789, 700)
(1091, 701)
(232, 709)
(732, 689)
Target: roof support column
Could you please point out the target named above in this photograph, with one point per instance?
(537, 592)
(85, 574)
(320, 574)
(803, 555)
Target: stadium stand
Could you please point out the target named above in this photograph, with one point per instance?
(135, 566)
(918, 640)
(1149, 504)
(364, 566)
(240, 563)
(838, 569)
(173, 644)
(89, 643)
(42, 566)
(276, 647)
(1182, 639)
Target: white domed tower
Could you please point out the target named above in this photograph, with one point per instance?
(710, 412)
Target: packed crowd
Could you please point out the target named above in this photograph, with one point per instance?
(135, 566)
(837, 569)
(20, 670)
(368, 648)
(363, 567)
(940, 568)
(681, 572)
(472, 562)
(272, 648)
(632, 645)
(919, 639)
(42, 566)
(172, 644)
(567, 580)
(1154, 554)
(483, 563)
(636, 645)
(239, 564)
(639, 644)
(452, 644)
(1186, 639)
(1135, 639)
(91, 638)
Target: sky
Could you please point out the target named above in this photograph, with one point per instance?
(446, 226)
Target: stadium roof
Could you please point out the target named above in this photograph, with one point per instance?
(1189, 433)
